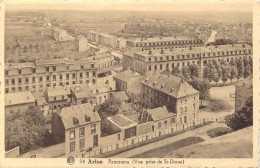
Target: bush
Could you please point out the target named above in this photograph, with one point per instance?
(218, 131)
(241, 118)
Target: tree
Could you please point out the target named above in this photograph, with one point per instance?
(176, 72)
(26, 130)
(251, 64)
(226, 71)
(233, 73)
(247, 71)
(194, 71)
(186, 73)
(209, 71)
(241, 118)
(246, 62)
(203, 86)
(240, 68)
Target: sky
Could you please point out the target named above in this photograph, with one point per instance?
(140, 5)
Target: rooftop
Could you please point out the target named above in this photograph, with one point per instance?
(83, 113)
(122, 121)
(169, 84)
(18, 98)
(176, 51)
(121, 96)
(159, 113)
(127, 75)
(57, 91)
(19, 65)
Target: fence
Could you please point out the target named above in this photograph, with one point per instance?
(138, 139)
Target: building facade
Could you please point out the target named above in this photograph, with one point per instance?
(145, 62)
(37, 76)
(78, 126)
(173, 92)
(244, 90)
(165, 42)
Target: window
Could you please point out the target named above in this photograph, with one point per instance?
(92, 65)
(94, 73)
(73, 76)
(6, 72)
(81, 132)
(150, 67)
(185, 119)
(6, 90)
(155, 67)
(67, 68)
(159, 125)
(185, 109)
(118, 137)
(54, 98)
(194, 116)
(93, 128)
(172, 120)
(181, 110)
(60, 77)
(93, 81)
(80, 75)
(194, 107)
(47, 69)
(54, 68)
(72, 134)
(40, 79)
(26, 80)
(33, 79)
(13, 81)
(34, 70)
(87, 74)
(67, 76)
(19, 80)
(161, 66)
(82, 143)
(26, 88)
(72, 146)
(19, 71)
(6, 82)
(54, 77)
(165, 124)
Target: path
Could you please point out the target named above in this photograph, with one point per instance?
(199, 132)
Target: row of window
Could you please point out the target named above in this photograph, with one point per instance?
(167, 43)
(47, 85)
(82, 132)
(197, 55)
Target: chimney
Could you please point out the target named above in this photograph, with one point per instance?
(162, 51)
(154, 83)
(172, 89)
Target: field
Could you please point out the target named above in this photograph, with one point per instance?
(238, 144)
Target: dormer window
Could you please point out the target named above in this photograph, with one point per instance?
(75, 121)
(87, 118)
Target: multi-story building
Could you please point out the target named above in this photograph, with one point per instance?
(173, 92)
(244, 90)
(61, 35)
(78, 126)
(145, 62)
(37, 76)
(165, 42)
(103, 38)
(15, 102)
(128, 58)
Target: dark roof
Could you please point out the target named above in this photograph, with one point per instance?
(169, 84)
(78, 112)
(160, 113)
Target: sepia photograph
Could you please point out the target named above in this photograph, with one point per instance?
(132, 80)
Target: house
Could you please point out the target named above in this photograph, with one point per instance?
(13, 153)
(57, 97)
(20, 101)
(175, 93)
(78, 126)
(161, 118)
(244, 90)
(41, 102)
(120, 123)
(82, 94)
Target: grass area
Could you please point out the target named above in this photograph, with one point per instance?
(218, 131)
(159, 152)
(237, 144)
(116, 152)
(216, 105)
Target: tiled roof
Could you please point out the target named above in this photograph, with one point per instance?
(57, 91)
(121, 96)
(169, 84)
(134, 85)
(131, 52)
(126, 75)
(159, 113)
(122, 121)
(79, 111)
(18, 98)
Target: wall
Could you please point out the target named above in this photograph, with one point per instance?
(144, 128)
(111, 139)
(15, 108)
(13, 153)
